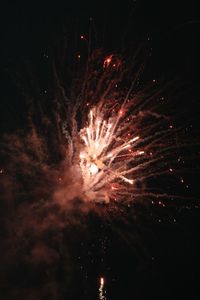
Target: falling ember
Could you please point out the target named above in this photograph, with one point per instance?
(112, 61)
(107, 61)
(101, 290)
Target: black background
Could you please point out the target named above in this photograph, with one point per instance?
(29, 31)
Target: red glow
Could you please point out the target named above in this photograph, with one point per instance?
(121, 112)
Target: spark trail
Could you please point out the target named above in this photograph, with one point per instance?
(124, 141)
(106, 155)
(101, 290)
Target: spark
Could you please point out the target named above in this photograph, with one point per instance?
(112, 61)
(101, 289)
(102, 281)
(107, 61)
(102, 158)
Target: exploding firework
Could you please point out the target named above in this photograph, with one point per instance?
(124, 139)
(113, 144)
(113, 139)
(104, 146)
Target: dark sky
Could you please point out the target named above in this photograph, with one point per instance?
(31, 30)
(28, 28)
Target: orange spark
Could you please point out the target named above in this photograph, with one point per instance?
(107, 61)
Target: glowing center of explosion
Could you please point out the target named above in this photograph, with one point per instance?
(106, 155)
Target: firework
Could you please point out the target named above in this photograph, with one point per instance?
(101, 290)
(106, 155)
(124, 141)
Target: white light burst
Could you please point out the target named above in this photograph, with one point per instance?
(107, 154)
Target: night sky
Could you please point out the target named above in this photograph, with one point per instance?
(154, 253)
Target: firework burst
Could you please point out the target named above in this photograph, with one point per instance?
(124, 139)
(106, 155)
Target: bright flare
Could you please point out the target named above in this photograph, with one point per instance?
(101, 290)
(106, 155)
